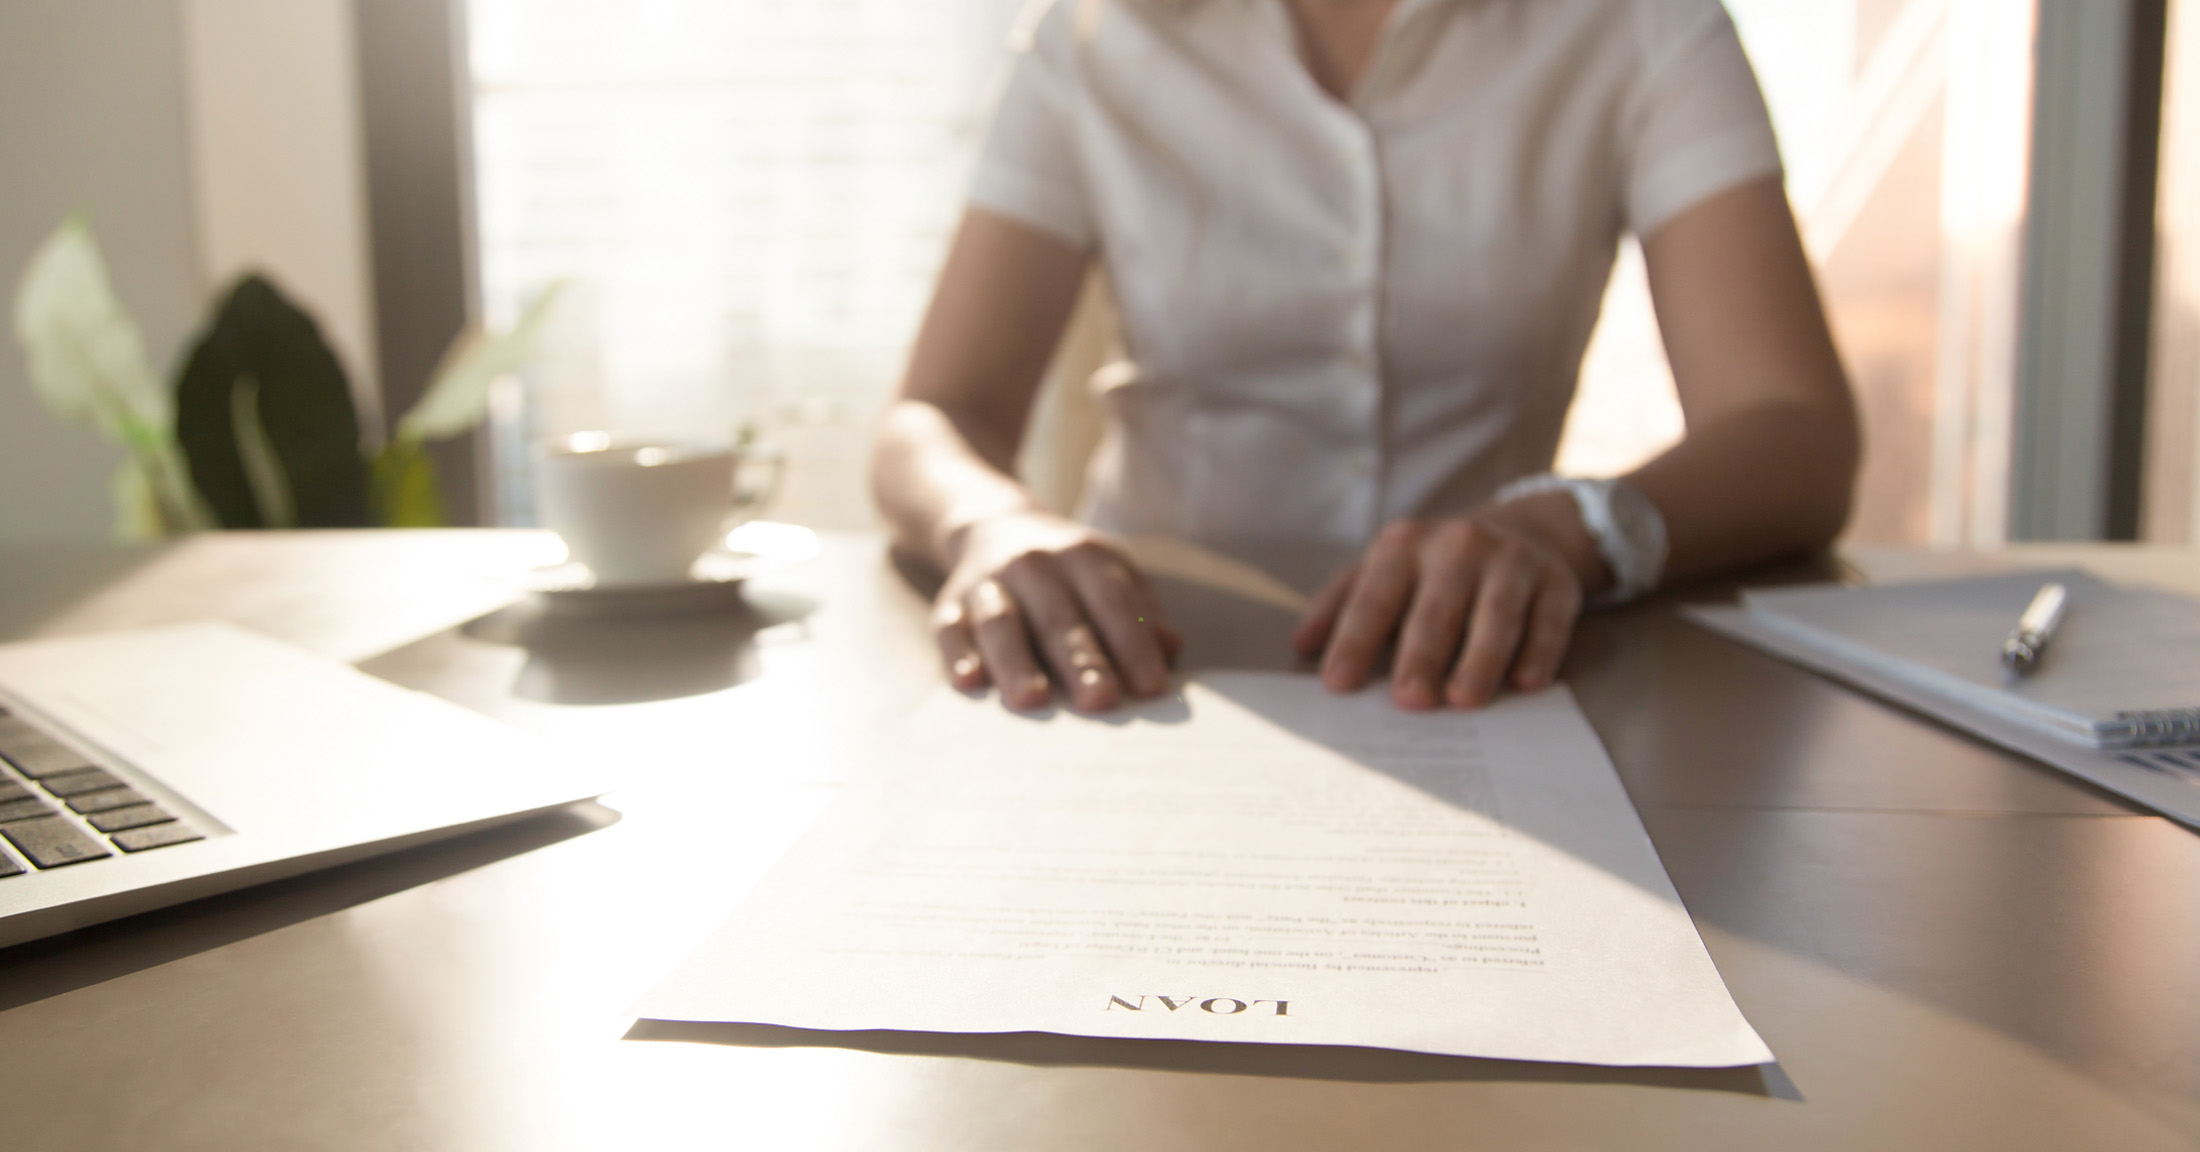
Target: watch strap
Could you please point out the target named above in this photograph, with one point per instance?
(1634, 550)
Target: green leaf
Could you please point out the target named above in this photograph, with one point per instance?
(407, 493)
(262, 343)
(87, 363)
(263, 471)
(87, 359)
(458, 395)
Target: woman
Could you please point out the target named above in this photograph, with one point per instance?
(1359, 247)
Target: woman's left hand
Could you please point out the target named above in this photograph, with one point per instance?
(1474, 602)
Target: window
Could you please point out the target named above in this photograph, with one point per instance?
(2171, 504)
(750, 198)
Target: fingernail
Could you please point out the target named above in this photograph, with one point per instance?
(1036, 691)
(1418, 695)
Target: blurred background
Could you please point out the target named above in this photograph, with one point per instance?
(749, 199)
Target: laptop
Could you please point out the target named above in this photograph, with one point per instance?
(146, 768)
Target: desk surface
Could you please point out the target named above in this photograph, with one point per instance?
(1947, 946)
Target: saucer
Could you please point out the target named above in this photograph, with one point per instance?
(753, 549)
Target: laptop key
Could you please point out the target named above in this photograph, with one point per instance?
(10, 790)
(135, 816)
(157, 836)
(53, 842)
(80, 781)
(23, 809)
(86, 803)
(9, 867)
(36, 753)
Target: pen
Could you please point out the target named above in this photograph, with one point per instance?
(2021, 652)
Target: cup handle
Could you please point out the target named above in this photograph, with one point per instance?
(750, 499)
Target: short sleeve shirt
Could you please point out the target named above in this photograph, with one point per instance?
(1340, 313)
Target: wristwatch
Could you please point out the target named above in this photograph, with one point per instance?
(1629, 532)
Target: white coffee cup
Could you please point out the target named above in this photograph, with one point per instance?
(639, 510)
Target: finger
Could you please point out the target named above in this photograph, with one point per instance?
(1550, 631)
(1493, 635)
(1065, 638)
(959, 650)
(1124, 612)
(1312, 634)
(1172, 641)
(1004, 645)
(1451, 562)
(1372, 609)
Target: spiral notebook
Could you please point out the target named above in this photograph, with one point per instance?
(2123, 671)
(2115, 699)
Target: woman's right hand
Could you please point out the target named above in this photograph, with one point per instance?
(1033, 600)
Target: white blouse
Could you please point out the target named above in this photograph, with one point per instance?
(1340, 314)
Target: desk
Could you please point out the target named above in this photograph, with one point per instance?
(1947, 946)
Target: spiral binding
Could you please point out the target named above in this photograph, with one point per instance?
(2152, 729)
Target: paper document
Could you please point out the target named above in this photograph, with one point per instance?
(1253, 860)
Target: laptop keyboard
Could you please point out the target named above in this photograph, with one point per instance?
(58, 809)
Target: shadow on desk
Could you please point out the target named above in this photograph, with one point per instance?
(1288, 1061)
(40, 969)
(636, 658)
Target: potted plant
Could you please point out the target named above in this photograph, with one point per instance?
(259, 429)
